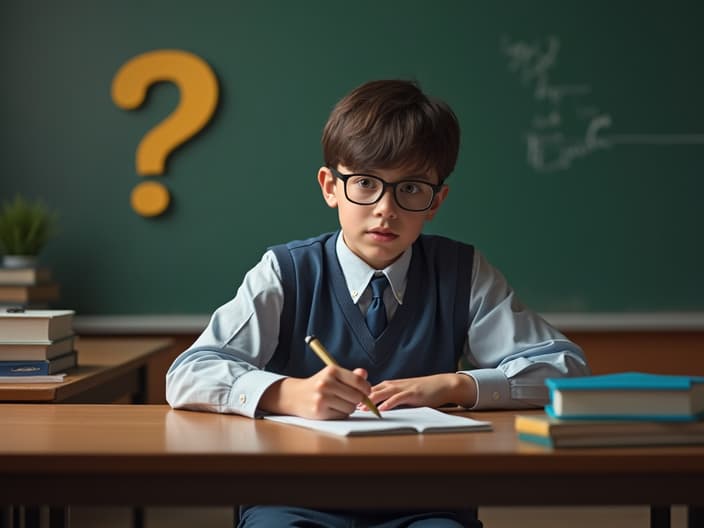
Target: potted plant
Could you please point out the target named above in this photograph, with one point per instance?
(25, 228)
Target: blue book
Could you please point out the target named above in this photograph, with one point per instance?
(41, 367)
(627, 396)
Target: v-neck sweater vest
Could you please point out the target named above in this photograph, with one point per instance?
(425, 336)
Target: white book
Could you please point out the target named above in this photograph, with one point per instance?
(49, 378)
(35, 350)
(35, 325)
(417, 420)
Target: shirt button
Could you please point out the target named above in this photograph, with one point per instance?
(495, 396)
(243, 399)
(354, 294)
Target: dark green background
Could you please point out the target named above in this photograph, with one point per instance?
(618, 230)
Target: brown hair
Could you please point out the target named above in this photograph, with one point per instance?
(391, 124)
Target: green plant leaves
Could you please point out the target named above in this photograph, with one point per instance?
(25, 227)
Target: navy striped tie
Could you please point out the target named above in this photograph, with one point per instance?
(376, 315)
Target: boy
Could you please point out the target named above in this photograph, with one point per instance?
(397, 309)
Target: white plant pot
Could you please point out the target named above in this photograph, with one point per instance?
(19, 261)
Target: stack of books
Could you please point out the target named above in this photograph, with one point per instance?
(27, 287)
(36, 345)
(621, 409)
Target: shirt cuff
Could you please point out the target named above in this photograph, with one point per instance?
(248, 390)
(493, 391)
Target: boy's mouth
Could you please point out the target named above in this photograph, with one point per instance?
(382, 235)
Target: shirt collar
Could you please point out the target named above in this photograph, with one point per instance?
(358, 273)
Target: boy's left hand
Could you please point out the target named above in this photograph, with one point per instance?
(426, 391)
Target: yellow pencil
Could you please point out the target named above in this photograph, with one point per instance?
(317, 347)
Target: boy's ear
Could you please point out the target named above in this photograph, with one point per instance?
(439, 199)
(328, 185)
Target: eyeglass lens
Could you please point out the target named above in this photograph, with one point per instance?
(409, 194)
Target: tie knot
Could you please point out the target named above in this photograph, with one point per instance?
(378, 285)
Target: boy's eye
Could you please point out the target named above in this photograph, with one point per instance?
(409, 188)
(366, 183)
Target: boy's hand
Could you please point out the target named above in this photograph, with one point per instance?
(426, 391)
(332, 393)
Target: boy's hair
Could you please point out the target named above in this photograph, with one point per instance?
(392, 124)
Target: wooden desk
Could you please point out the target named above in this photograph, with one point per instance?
(152, 455)
(109, 369)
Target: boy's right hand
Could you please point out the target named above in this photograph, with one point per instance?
(332, 393)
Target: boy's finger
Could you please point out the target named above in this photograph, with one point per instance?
(356, 381)
(361, 372)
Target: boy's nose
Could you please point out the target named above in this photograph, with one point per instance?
(387, 203)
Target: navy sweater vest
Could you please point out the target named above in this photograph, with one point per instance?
(425, 336)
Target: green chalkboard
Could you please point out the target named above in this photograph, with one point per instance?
(580, 175)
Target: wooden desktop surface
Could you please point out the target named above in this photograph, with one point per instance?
(153, 455)
(108, 368)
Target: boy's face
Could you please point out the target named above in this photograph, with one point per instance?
(381, 232)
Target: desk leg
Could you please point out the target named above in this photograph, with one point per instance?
(695, 516)
(6, 517)
(59, 517)
(659, 517)
(141, 396)
(137, 517)
(32, 516)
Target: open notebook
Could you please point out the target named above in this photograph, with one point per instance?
(397, 421)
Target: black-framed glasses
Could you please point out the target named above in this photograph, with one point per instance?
(366, 189)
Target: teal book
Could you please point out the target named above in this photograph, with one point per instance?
(627, 396)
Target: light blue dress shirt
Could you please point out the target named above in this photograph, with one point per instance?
(512, 348)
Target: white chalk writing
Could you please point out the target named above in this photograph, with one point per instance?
(548, 146)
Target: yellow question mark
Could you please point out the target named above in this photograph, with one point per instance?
(198, 89)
